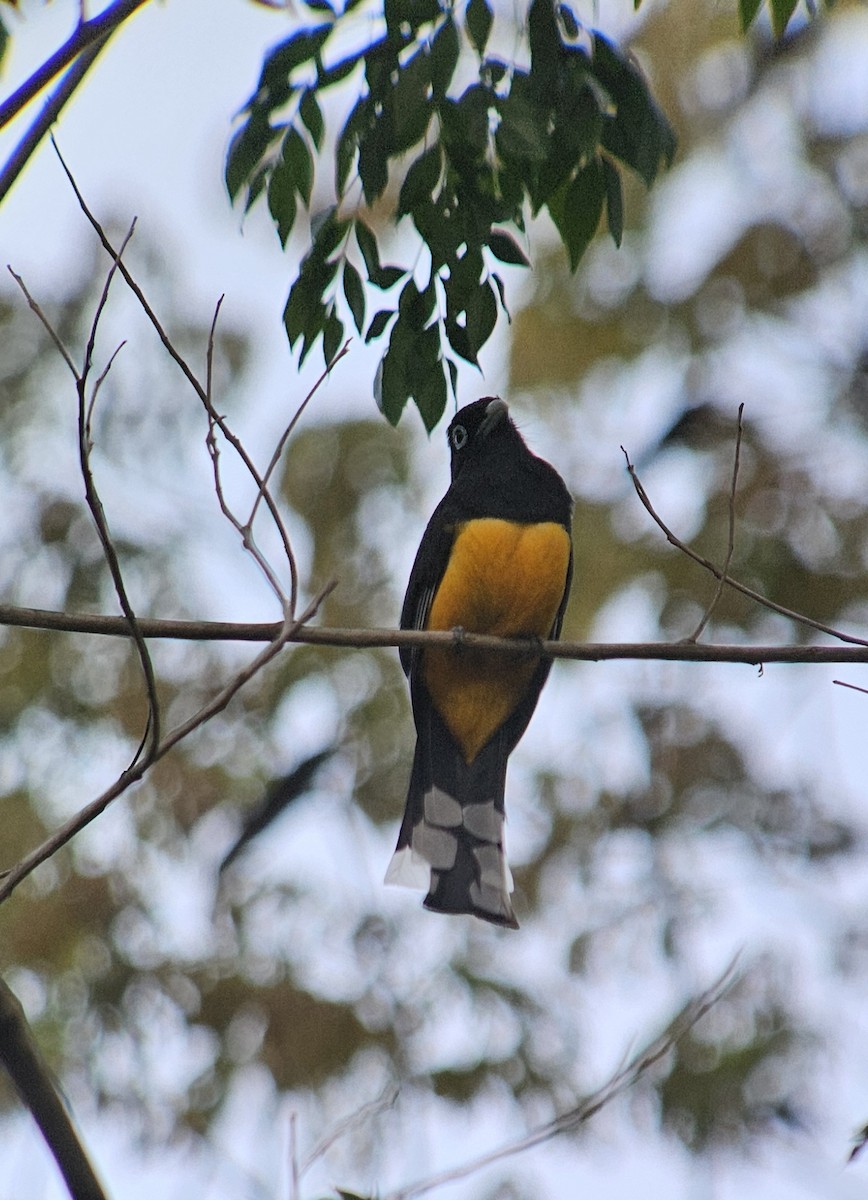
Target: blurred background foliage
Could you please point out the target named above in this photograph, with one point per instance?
(661, 816)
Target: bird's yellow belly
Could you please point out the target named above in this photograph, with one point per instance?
(504, 579)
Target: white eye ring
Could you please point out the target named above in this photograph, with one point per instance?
(459, 437)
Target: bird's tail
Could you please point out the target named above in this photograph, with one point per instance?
(451, 838)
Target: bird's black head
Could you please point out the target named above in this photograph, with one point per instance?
(473, 427)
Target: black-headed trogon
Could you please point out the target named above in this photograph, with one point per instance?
(496, 558)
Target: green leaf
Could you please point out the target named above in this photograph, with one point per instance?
(466, 122)
(381, 277)
(479, 21)
(390, 385)
(747, 11)
(421, 179)
(481, 317)
(387, 277)
(311, 115)
(246, 150)
(4, 41)
(354, 293)
(569, 25)
(304, 314)
(464, 276)
(578, 126)
(281, 200)
(279, 64)
(545, 40)
(781, 11)
(298, 162)
(416, 307)
(445, 50)
(426, 379)
(638, 133)
(411, 103)
(506, 248)
(374, 159)
(378, 324)
(332, 336)
(348, 141)
(368, 246)
(523, 129)
(576, 210)
(614, 200)
(501, 293)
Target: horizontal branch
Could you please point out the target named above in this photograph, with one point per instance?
(363, 639)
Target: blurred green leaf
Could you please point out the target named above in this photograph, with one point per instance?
(747, 11)
(479, 21)
(614, 200)
(637, 132)
(504, 247)
(781, 11)
(354, 293)
(576, 209)
(311, 115)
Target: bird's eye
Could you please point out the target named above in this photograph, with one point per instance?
(459, 437)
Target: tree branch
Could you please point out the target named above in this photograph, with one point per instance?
(620, 1082)
(20, 1055)
(87, 34)
(730, 545)
(11, 878)
(203, 393)
(728, 579)
(366, 639)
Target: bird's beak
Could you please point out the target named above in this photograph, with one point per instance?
(496, 411)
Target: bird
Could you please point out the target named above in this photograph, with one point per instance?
(496, 558)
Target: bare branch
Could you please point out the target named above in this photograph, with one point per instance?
(201, 390)
(366, 639)
(365, 1113)
(138, 769)
(23, 152)
(800, 618)
(730, 546)
(853, 686)
(619, 1083)
(151, 735)
(275, 458)
(20, 1055)
(87, 34)
(50, 330)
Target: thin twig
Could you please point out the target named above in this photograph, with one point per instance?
(360, 1117)
(730, 545)
(800, 618)
(172, 350)
(151, 735)
(61, 836)
(284, 437)
(853, 687)
(275, 458)
(49, 328)
(620, 1082)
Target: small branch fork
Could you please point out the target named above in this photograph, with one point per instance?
(155, 744)
(721, 573)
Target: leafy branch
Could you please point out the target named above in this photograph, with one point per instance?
(468, 163)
